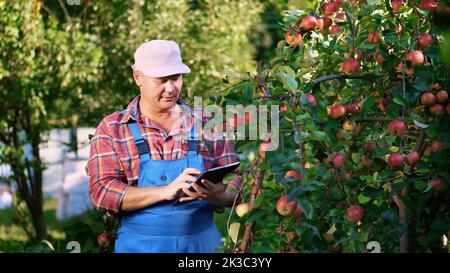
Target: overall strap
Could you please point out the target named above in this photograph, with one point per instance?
(193, 142)
(139, 141)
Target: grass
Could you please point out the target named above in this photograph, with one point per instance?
(10, 229)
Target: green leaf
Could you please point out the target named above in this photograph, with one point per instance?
(421, 185)
(366, 177)
(356, 157)
(363, 199)
(233, 232)
(368, 103)
(332, 229)
(428, 188)
(399, 100)
(336, 212)
(307, 208)
(288, 82)
(288, 70)
(320, 136)
(421, 87)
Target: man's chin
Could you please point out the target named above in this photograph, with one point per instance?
(167, 104)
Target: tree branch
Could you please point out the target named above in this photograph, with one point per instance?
(262, 85)
(49, 11)
(341, 76)
(256, 191)
(374, 119)
(66, 13)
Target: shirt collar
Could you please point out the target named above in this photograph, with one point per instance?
(132, 111)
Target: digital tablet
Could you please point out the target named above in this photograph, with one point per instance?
(215, 175)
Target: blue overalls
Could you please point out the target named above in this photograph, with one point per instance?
(162, 227)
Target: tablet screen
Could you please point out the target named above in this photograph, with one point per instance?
(215, 175)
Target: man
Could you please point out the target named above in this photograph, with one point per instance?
(143, 157)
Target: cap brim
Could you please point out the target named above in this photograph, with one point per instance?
(166, 70)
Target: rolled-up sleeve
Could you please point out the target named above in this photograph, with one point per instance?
(107, 186)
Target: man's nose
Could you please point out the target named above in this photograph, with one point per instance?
(169, 86)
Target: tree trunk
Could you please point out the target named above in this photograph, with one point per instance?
(28, 176)
(37, 212)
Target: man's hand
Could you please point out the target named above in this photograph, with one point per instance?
(214, 193)
(172, 190)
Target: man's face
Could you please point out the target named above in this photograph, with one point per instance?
(160, 93)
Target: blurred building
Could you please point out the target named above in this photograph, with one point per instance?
(64, 177)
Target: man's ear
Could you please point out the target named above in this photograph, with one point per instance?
(137, 77)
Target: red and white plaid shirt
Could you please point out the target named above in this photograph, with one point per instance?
(114, 160)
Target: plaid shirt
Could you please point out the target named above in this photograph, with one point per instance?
(114, 160)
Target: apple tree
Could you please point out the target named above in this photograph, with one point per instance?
(363, 150)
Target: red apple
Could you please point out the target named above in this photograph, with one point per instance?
(412, 158)
(437, 109)
(384, 104)
(347, 176)
(341, 16)
(352, 108)
(308, 22)
(340, 135)
(334, 29)
(437, 145)
(396, 4)
(374, 37)
(366, 161)
(395, 160)
(442, 96)
(379, 58)
(293, 174)
(437, 184)
(424, 40)
(289, 251)
(297, 212)
(435, 86)
(428, 99)
(327, 21)
(319, 22)
(428, 5)
(415, 57)
(355, 213)
(234, 121)
(329, 8)
(293, 38)
(337, 111)
(338, 159)
(284, 207)
(350, 66)
(310, 97)
(370, 147)
(397, 127)
(261, 150)
(283, 108)
(104, 239)
(348, 126)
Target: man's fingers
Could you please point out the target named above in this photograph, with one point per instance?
(185, 199)
(207, 183)
(191, 171)
(200, 191)
(188, 192)
(189, 178)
